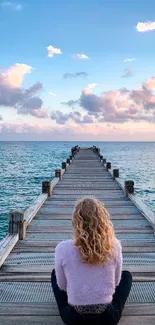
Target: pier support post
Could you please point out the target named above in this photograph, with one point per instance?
(74, 150)
(129, 187)
(58, 173)
(96, 150)
(104, 161)
(46, 188)
(108, 166)
(101, 157)
(115, 173)
(68, 161)
(64, 165)
(17, 224)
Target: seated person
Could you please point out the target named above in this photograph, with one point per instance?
(88, 282)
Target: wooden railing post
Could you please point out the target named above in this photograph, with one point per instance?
(58, 173)
(129, 187)
(68, 161)
(115, 173)
(17, 224)
(64, 165)
(104, 161)
(46, 188)
(108, 166)
(74, 150)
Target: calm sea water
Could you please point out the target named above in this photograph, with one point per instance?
(24, 165)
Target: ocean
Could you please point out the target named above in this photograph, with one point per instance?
(24, 165)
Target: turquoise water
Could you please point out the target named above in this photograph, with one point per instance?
(24, 165)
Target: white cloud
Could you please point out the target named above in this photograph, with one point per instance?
(129, 59)
(13, 6)
(145, 26)
(53, 50)
(14, 75)
(87, 90)
(93, 85)
(52, 94)
(80, 57)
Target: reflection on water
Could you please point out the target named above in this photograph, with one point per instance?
(24, 165)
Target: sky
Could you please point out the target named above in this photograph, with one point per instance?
(77, 70)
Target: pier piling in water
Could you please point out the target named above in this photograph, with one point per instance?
(27, 252)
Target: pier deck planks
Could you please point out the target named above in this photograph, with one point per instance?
(25, 291)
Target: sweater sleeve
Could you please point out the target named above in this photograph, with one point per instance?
(60, 275)
(119, 261)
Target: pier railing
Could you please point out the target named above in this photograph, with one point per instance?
(19, 220)
(128, 189)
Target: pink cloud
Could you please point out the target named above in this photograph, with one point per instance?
(25, 101)
(120, 106)
(130, 131)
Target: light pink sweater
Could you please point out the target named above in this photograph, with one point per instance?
(86, 284)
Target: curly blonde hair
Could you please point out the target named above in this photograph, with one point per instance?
(93, 231)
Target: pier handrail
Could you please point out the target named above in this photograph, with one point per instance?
(19, 220)
(6, 246)
(144, 209)
(23, 219)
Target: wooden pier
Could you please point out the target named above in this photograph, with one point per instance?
(27, 253)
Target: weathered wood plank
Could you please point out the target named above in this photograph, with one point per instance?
(128, 245)
(8, 269)
(42, 216)
(55, 320)
(112, 210)
(44, 247)
(68, 203)
(68, 223)
(52, 309)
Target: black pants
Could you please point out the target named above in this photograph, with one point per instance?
(110, 316)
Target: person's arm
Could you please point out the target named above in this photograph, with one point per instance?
(119, 262)
(60, 276)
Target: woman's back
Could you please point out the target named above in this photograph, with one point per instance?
(87, 284)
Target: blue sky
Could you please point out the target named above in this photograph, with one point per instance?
(107, 33)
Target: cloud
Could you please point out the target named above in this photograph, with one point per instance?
(70, 103)
(1, 118)
(14, 76)
(52, 51)
(62, 118)
(80, 57)
(93, 85)
(129, 59)
(145, 26)
(120, 106)
(128, 72)
(25, 101)
(88, 89)
(52, 94)
(13, 6)
(15, 131)
(75, 75)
